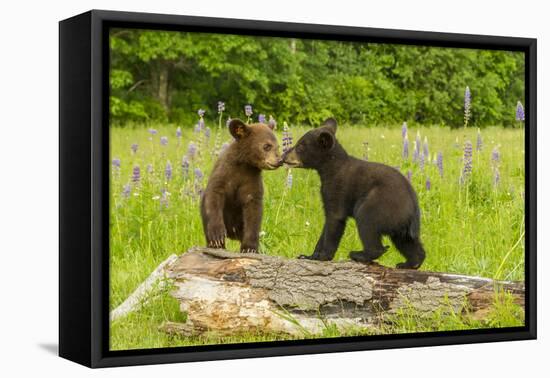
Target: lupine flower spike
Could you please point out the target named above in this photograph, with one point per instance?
(248, 112)
(439, 163)
(185, 166)
(495, 162)
(467, 105)
(467, 161)
(479, 142)
(164, 197)
(404, 130)
(406, 147)
(428, 184)
(287, 137)
(168, 171)
(191, 150)
(198, 181)
(289, 179)
(164, 141)
(261, 118)
(134, 148)
(126, 191)
(520, 112)
(116, 165)
(136, 174)
(178, 135)
(415, 153)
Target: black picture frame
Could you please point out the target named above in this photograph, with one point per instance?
(84, 188)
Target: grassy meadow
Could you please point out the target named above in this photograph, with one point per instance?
(474, 226)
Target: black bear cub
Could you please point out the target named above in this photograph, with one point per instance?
(378, 197)
(231, 205)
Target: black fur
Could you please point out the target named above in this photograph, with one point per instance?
(378, 197)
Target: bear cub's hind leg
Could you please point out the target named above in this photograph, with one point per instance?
(372, 242)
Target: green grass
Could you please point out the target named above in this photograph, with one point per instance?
(475, 229)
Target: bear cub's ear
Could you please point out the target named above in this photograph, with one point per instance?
(326, 140)
(238, 129)
(331, 124)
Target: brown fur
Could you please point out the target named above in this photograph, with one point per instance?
(231, 205)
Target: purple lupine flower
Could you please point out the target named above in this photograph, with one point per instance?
(152, 131)
(409, 175)
(495, 162)
(221, 106)
(479, 142)
(496, 176)
(168, 171)
(116, 163)
(428, 183)
(404, 129)
(185, 166)
(439, 163)
(164, 141)
(406, 147)
(287, 138)
(520, 112)
(289, 179)
(163, 197)
(366, 150)
(224, 147)
(261, 118)
(495, 156)
(248, 110)
(126, 191)
(136, 174)
(134, 148)
(198, 181)
(150, 169)
(415, 153)
(198, 128)
(467, 160)
(192, 150)
(272, 123)
(467, 105)
(425, 148)
(201, 112)
(421, 161)
(198, 174)
(178, 132)
(207, 133)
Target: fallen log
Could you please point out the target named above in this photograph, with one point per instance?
(226, 293)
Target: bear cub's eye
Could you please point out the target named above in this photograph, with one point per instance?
(267, 147)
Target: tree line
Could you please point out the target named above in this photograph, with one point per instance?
(167, 76)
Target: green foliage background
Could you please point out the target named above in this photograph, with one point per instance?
(165, 76)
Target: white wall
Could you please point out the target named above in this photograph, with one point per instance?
(28, 185)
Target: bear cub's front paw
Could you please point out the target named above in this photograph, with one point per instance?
(245, 249)
(216, 236)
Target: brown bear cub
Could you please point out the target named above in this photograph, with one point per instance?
(378, 197)
(231, 205)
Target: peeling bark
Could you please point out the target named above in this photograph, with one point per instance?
(228, 293)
